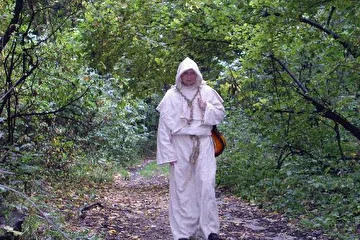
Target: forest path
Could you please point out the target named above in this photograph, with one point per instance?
(137, 208)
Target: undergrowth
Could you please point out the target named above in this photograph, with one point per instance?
(317, 193)
(153, 168)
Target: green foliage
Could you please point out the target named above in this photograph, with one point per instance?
(244, 154)
(153, 169)
(99, 171)
(147, 39)
(123, 128)
(322, 201)
(80, 82)
(318, 191)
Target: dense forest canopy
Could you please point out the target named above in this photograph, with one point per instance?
(79, 82)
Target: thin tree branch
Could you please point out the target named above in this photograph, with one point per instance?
(338, 139)
(6, 172)
(292, 76)
(324, 110)
(37, 208)
(330, 16)
(345, 44)
(54, 111)
(6, 95)
(12, 25)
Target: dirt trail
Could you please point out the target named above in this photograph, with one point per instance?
(136, 208)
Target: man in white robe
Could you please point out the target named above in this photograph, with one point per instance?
(187, 113)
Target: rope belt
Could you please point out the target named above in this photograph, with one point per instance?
(195, 149)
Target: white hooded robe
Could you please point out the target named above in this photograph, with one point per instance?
(193, 209)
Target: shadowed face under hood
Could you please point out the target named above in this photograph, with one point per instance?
(185, 65)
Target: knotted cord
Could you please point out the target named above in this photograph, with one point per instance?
(195, 139)
(195, 149)
(190, 104)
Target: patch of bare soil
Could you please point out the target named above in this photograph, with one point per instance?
(137, 208)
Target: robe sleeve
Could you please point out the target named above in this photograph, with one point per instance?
(214, 112)
(165, 150)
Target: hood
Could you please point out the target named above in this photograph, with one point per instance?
(185, 65)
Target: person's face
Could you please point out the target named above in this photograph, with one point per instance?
(188, 77)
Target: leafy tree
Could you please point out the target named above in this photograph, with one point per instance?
(302, 74)
(296, 80)
(80, 81)
(147, 39)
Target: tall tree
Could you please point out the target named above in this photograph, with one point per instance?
(35, 63)
(310, 54)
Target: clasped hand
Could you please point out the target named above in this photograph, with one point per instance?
(202, 104)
